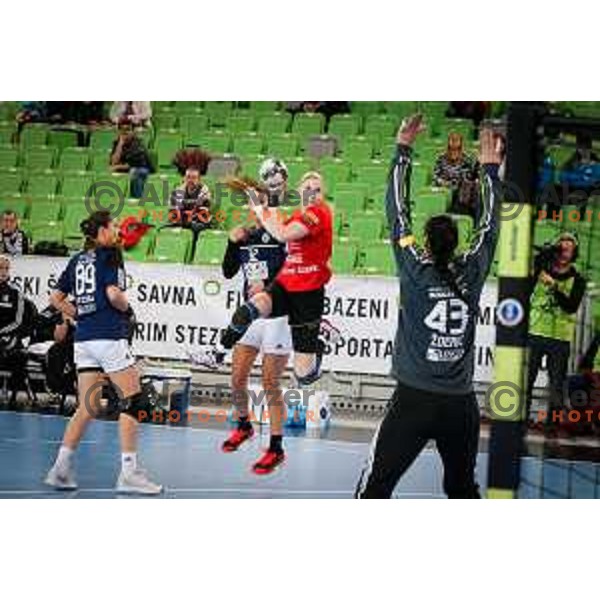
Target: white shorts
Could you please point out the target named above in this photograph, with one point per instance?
(272, 336)
(108, 356)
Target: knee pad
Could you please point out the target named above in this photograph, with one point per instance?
(241, 320)
(243, 317)
(305, 338)
(137, 406)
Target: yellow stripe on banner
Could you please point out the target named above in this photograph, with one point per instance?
(498, 494)
(505, 399)
(515, 240)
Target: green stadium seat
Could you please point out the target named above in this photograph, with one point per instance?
(421, 177)
(241, 122)
(400, 110)
(34, 135)
(248, 145)
(211, 248)
(344, 258)
(275, 123)
(344, 126)
(465, 231)
(75, 212)
(9, 158)
(165, 121)
(283, 145)
(172, 244)
(44, 211)
(62, 139)
(381, 126)
(18, 204)
(358, 150)
(375, 171)
(7, 134)
(334, 172)
(218, 113)
(297, 167)
(263, 107)
(433, 203)
(99, 160)
(49, 231)
(216, 142)
(74, 160)
(142, 251)
(193, 127)
(167, 144)
(103, 138)
(349, 201)
(76, 186)
(307, 124)
(181, 108)
(10, 184)
(42, 185)
(364, 227)
(39, 159)
(376, 259)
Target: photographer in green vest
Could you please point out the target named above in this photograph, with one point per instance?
(558, 289)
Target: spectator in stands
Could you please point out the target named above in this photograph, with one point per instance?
(129, 154)
(557, 292)
(13, 240)
(454, 165)
(135, 113)
(583, 155)
(192, 200)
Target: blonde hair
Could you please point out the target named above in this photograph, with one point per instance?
(314, 175)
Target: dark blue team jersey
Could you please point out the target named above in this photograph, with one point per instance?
(260, 257)
(86, 278)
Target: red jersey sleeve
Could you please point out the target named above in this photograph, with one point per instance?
(312, 219)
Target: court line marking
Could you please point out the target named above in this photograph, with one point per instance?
(168, 490)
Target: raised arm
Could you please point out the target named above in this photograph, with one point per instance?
(397, 199)
(483, 246)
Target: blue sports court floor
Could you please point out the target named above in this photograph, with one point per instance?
(189, 463)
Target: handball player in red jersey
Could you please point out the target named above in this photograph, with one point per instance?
(298, 290)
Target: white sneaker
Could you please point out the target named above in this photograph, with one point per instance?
(209, 357)
(137, 482)
(61, 479)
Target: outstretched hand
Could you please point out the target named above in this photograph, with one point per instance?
(490, 147)
(410, 129)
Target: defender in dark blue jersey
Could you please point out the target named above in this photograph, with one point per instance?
(433, 358)
(92, 290)
(259, 256)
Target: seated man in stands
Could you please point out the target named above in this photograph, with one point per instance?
(13, 240)
(192, 200)
(129, 154)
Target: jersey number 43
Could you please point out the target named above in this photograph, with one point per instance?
(448, 317)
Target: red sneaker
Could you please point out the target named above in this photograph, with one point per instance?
(269, 461)
(236, 438)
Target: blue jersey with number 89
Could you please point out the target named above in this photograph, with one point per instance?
(86, 278)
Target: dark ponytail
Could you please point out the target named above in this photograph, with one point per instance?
(441, 233)
(90, 228)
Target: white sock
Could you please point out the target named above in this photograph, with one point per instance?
(128, 461)
(63, 460)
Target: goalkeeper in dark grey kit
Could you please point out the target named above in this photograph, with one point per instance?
(433, 355)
